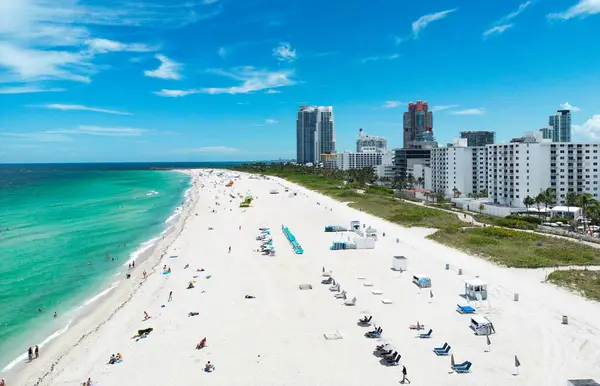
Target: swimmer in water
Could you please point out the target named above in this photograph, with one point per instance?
(89, 262)
(55, 314)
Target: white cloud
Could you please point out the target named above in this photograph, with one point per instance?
(271, 121)
(252, 79)
(271, 91)
(421, 23)
(442, 108)
(384, 57)
(26, 64)
(497, 30)
(391, 104)
(207, 2)
(582, 9)
(222, 52)
(28, 89)
(567, 106)
(37, 137)
(214, 149)
(101, 131)
(175, 93)
(512, 15)
(46, 40)
(284, 52)
(589, 130)
(168, 69)
(478, 111)
(501, 25)
(102, 46)
(62, 107)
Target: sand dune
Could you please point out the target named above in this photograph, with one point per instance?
(277, 338)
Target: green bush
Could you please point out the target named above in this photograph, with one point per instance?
(516, 224)
(561, 219)
(529, 219)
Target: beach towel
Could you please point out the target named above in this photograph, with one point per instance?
(166, 272)
(172, 257)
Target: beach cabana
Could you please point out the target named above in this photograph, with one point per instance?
(371, 232)
(481, 325)
(354, 226)
(422, 281)
(476, 289)
(399, 263)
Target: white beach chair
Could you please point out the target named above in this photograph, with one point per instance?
(386, 301)
(341, 295)
(335, 288)
(368, 284)
(350, 302)
(376, 292)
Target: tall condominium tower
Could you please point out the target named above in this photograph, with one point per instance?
(478, 138)
(315, 133)
(561, 126)
(418, 123)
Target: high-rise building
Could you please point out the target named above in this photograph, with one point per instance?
(418, 123)
(315, 133)
(478, 138)
(369, 144)
(547, 132)
(561, 126)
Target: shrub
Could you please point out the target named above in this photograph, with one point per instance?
(529, 219)
(561, 219)
(516, 224)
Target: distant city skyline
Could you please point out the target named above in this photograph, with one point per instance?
(179, 80)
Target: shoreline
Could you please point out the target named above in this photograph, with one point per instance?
(147, 255)
(283, 335)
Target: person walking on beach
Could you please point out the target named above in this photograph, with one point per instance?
(30, 354)
(133, 264)
(37, 352)
(170, 296)
(2, 382)
(404, 378)
(229, 249)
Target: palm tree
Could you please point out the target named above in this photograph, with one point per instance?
(539, 199)
(571, 200)
(528, 201)
(481, 208)
(585, 201)
(549, 197)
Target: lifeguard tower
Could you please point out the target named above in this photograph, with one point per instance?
(476, 289)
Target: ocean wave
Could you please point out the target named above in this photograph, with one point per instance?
(49, 339)
(152, 193)
(99, 295)
(143, 248)
(176, 214)
(166, 230)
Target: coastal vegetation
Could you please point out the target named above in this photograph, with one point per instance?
(584, 282)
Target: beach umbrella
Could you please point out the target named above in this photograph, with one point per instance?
(517, 364)
(488, 342)
(452, 360)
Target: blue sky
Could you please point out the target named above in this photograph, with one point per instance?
(185, 80)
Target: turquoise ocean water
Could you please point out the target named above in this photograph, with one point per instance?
(53, 220)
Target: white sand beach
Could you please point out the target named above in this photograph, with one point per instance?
(277, 338)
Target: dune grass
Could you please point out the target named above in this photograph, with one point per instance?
(584, 282)
(519, 249)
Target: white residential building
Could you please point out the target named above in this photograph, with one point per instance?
(518, 169)
(574, 168)
(459, 167)
(352, 160)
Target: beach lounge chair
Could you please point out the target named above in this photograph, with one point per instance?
(443, 352)
(341, 295)
(335, 288)
(350, 302)
(389, 357)
(329, 280)
(428, 335)
(465, 309)
(375, 333)
(386, 353)
(382, 347)
(463, 367)
(417, 326)
(394, 361)
(365, 321)
(441, 348)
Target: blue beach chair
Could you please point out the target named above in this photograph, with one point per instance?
(465, 309)
(463, 367)
(442, 351)
(425, 336)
